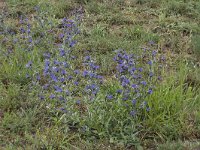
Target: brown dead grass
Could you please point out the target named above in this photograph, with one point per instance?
(2, 4)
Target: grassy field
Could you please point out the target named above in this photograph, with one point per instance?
(100, 74)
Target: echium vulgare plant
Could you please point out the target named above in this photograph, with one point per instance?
(49, 36)
(138, 75)
(61, 81)
(66, 85)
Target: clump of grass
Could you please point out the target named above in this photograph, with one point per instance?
(196, 45)
(169, 94)
(180, 8)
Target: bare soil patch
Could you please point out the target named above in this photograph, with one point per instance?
(2, 4)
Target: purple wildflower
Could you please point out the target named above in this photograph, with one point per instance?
(85, 73)
(134, 86)
(143, 83)
(76, 83)
(52, 96)
(133, 113)
(72, 44)
(119, 91)
(133, 101)
(29, 64)
(109, 97)
(150, 63)
(78, 102)
(150, 74)
(61, 98)
(58, 89)
(62, 52)
(140, 69)
(53, 77)
(76, 71)
(150, 91)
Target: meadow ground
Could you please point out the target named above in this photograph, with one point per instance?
(100, 74)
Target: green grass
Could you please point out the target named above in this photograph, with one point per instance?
(173, 122)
